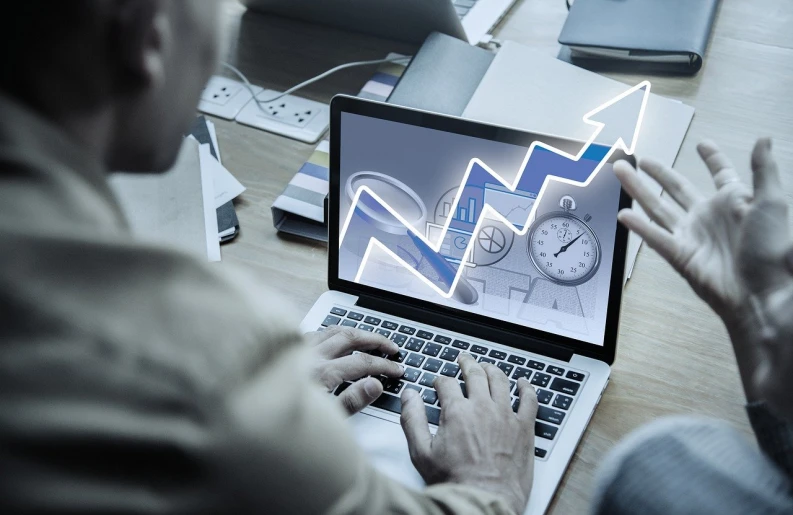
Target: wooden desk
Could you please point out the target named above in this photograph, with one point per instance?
(674, 356)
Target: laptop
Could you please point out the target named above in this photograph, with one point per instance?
(417, 254)
(404, 20)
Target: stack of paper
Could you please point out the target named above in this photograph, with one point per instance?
(179, 207)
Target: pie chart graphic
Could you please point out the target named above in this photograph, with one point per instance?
(492, 240)
(495, 242)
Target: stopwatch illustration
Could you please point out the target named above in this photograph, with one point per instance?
(563, 247)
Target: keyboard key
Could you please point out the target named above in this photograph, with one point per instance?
(331, 320)
(515, 405)
(565, 386)
(562, 402)
(407, 330)
(512, 385)
(575, 376)
(411, 374)
(432, 349)
(505, 367)
(341, 388)
(433, 415)
(517, 360)
(521, 372)
(414, 344)
(450, 369)
(339, 311)
(427, 379)
(391, 326)
(478, 349)
(383, 332)
(393, 386)
(414, 360)
(550, 415)
(443, 339)
(464, 390)
(367, 328)
(429, 396)
(425, 335)
(545, 431)
(433, 365)
(539, 453)
(544, 396)
(536, 365)
(413, 387)
(497, 354)
(372, 320)
(487, 360)
(540, 379)
(348, 323)
(388, 403)
(459, 344)
(450, 354)
(555, 370)
(399, 339)
(399, 357)
(354, 316)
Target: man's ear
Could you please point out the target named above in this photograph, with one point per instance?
(143, 35)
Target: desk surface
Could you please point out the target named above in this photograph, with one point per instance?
(674, 356)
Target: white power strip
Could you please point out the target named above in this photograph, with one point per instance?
(291, 116)
(294, 117)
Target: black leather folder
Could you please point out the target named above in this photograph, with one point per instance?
(639, 35)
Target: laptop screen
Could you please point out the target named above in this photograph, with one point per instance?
(443, 217)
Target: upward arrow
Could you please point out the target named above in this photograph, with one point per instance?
(619, 120)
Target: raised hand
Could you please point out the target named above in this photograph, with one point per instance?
(731, 247)
(336, 362)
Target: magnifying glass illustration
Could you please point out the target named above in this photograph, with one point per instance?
(409, 205)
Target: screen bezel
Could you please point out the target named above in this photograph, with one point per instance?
(353, 105)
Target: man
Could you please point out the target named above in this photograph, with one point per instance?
(134, 379)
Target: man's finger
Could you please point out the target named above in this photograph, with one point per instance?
(360, 394)
(527, 410)
(357, 366)
(474, 376)
(498, 383)
(657, 207)
(448, 389)
(767, 183)
(346, 340)
(677, 186)
(657, 238)
(720, 166)
(415, 425)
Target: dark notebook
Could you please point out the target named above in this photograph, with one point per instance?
(640, 35)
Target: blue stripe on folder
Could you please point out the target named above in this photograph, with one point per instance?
(320, 172)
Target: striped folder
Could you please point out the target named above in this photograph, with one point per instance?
(300, 209)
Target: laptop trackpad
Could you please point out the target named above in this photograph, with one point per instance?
(385, 444)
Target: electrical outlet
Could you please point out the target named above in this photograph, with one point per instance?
(291, 116)
(224, 97)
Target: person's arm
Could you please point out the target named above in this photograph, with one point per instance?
(774, 435)
(734, 249)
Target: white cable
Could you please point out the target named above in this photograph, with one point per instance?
(302, 85)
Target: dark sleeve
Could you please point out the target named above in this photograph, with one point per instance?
(774, 435)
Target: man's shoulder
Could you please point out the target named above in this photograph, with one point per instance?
(141, 306)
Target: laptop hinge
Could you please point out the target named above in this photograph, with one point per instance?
(460, 325)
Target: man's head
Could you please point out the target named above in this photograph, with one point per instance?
(122, 76)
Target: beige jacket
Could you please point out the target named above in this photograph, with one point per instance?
(135, 379)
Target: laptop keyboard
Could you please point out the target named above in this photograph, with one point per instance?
(463, 6)
(426, 353)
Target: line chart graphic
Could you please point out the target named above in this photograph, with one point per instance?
(365, 195)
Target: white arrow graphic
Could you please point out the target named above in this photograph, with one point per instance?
(489, 211)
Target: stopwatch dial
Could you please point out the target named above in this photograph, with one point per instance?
(564, 249)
